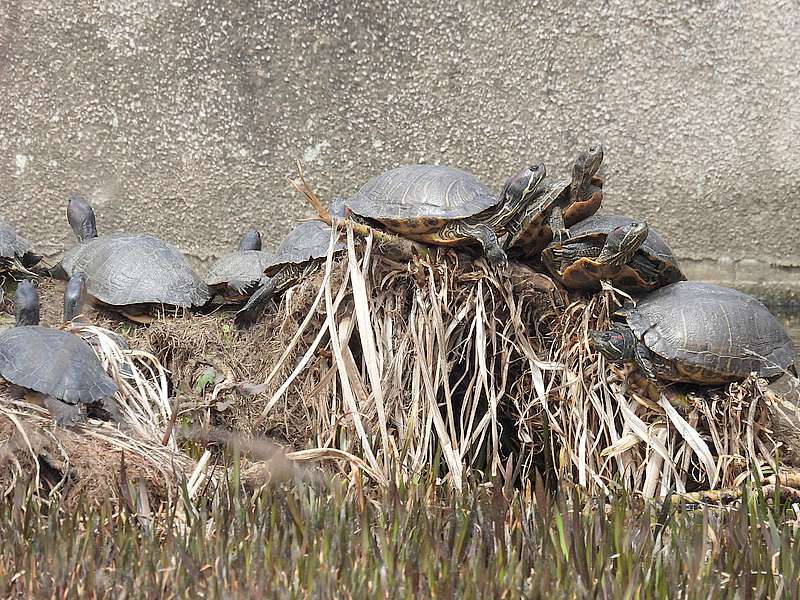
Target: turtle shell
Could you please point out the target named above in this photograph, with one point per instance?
(124, 269)
(55, 363)
(307, 241)
(12, 245)
(709, 333)
(239, 269)
(598, 227)
(421, 198)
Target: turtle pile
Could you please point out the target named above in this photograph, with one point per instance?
(427, 320)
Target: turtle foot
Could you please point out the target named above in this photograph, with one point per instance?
(65, 415)
(559, 237)
(497, 257)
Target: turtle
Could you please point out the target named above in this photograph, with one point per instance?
(132, 274)
(558, 204)
(56, 365)
(697, 333)
(236, 275)
(633, 256)
(298, 256)
(15, 252)
(443, 205)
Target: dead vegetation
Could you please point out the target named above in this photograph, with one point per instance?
(444, 361)
(394, 361)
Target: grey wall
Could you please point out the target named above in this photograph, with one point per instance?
(183, 118)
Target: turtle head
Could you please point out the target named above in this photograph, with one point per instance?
(622, 243)
(250, 241)
(74, 296)
(81, 218)
(26, 304)
(586, 166)
(617, 344)
(520, 190)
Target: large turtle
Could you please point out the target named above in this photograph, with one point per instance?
(237, 274)
(56, 364)
(558, 204)
(133, 274)
(443, 205)
(633, 256)
(15, 252)
(698, 333)
(299, 255)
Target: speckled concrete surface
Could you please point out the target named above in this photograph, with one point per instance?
(183, 118)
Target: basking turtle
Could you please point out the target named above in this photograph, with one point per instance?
(632, 256)
(698, 333)
(133, 274)
(15, 252)
(558, 204)
(56, 364)
(237, 274)
(298, 256)
(442, 205)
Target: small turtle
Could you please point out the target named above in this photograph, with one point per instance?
(298, 256)
(443, 206)
(236, 275)
(133, 274)
(634, 257)
(558, 204)
(698, 333)
(15, 252)
(56, 364)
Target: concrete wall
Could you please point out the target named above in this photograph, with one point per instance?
(184, 117)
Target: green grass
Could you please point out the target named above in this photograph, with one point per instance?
(325, 539)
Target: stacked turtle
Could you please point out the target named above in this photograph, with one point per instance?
(673, 330)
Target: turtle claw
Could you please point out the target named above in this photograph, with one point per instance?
(560, 236)
(497, 257)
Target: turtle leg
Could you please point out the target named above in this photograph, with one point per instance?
(556, 222)
(287, 277)
(483, 234)
(65, 415)
(643, 358)
(58, 272)
(250, 312)
(646, 268)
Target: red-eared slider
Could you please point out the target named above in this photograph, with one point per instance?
(300, 254)
(698, 333)
(557, 205)
(444, 206)
(15, 252)
(632, 256)
(54, 363)
(237, 274)
(133, 274)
